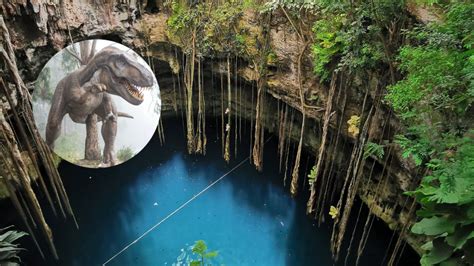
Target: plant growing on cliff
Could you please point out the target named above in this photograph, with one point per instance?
(214, 26)
(447, 200)
(434, 101)
(373, 149)
(328, 43)
(356, 37)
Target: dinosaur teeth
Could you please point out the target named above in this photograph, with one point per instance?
(135, 91)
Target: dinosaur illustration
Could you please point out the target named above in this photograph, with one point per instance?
(87, 91)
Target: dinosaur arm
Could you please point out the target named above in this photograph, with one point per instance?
(88, 90)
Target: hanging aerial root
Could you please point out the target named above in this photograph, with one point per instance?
(357, 170)
(296, 167)
(22, 174)
(257, 152)
(203, 120)
(29, 148)
(199, 135)
(222, 116)
(260, 66)
(401, 235)
(333, 160)
(282, 133)
(28, 204)
(322, 148)
(236, 124)
(189, 83)
(288, 145)
(228, 113)
(20, 209)
(365, 233)
(181, 91)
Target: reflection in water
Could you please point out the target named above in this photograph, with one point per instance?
(248, 217)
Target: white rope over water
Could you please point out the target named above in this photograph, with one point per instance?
(175, 211)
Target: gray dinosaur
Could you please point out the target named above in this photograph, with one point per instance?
(87, 90)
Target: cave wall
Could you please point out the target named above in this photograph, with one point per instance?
(39, 29)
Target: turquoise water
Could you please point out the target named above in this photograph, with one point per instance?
(249, 217)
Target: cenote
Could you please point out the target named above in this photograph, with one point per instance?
(292, 133)
(248, 217)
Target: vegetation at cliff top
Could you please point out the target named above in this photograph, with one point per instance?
(210, 27)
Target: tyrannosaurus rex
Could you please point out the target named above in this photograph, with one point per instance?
(86, 91)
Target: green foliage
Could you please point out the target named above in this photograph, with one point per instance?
(352, 36)
(433, 74)
(125, 154)
(271, 58)
(447, 200)
(312, 175)
(460, 23)
(8, 249)
(200, 255)
(200, 249)
(328, 43)
(311, 6)
(373, 149)
(434, 101)
(416, 149)
(212, 26)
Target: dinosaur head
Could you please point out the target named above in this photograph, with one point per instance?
(125, 77)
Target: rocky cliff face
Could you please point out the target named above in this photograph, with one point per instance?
(40, 29)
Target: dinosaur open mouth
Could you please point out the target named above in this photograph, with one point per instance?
(136, 91)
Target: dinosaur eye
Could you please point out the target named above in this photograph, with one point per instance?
(120, 62)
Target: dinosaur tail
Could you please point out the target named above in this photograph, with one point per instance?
(122, 114)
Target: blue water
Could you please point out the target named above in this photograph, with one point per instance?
(249, 217)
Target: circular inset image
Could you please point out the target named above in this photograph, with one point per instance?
(96, 103)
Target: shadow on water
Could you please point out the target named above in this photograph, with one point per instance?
(248, 216)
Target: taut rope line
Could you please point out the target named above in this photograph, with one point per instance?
(175, 211)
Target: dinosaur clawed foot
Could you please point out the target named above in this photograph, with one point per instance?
(107, 164)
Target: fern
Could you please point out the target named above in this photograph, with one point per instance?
(447, 200)
(373, 149)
